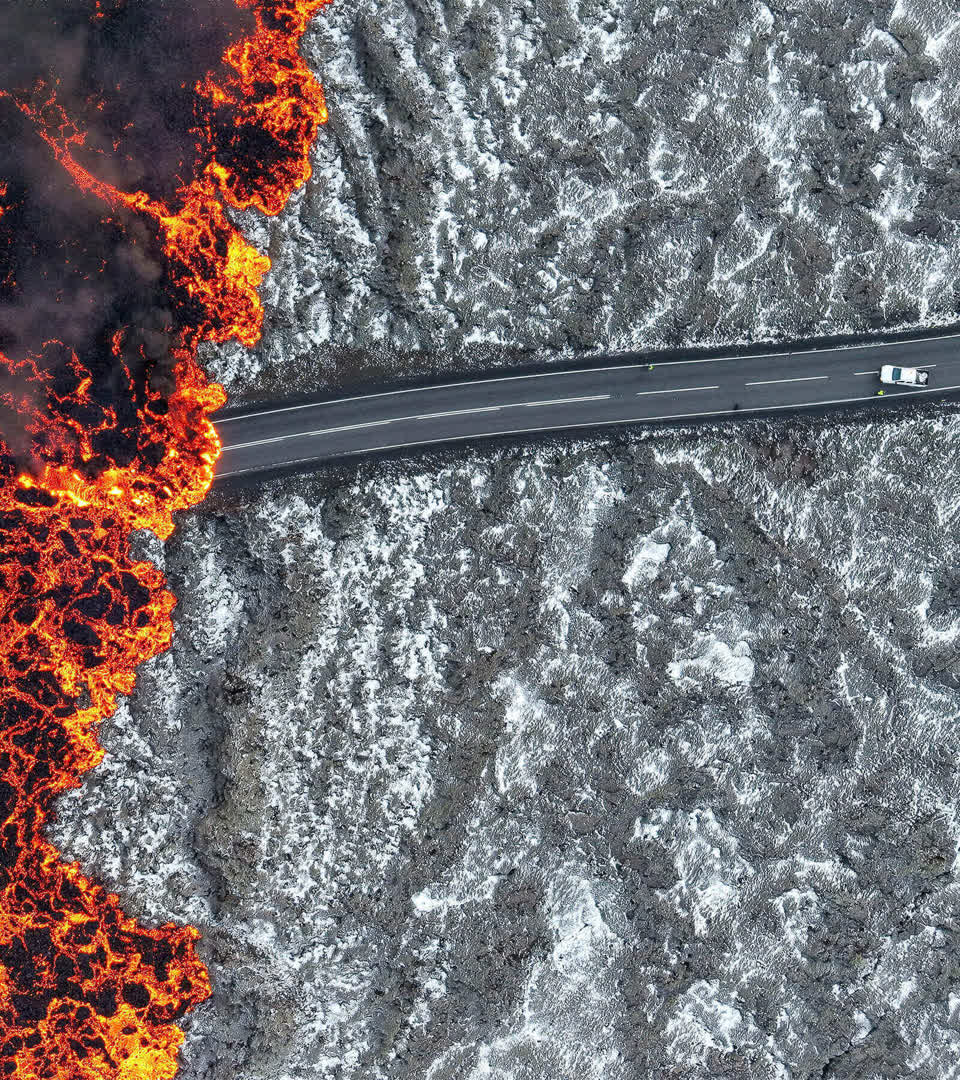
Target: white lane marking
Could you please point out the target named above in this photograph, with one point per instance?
(675, 390)
(772, 382)
(312, 434)
(401, 419)
(558, 401)
(511, 405)
(794, 352)
(586, 424)
(701, 360)
(638, 364)
(439, 386)
(453, 412)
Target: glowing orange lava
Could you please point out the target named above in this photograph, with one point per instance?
(84, 991)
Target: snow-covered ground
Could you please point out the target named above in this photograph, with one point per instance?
(610, 759)
(558, 177)
(617, 758)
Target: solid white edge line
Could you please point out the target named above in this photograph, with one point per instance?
(568, 427)
(580, 371)
(772, 382)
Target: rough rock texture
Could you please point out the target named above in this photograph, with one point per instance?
(607, 759)
(558, 177)
(617, 758)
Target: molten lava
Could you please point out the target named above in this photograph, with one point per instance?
(96, 444)
(269, 99)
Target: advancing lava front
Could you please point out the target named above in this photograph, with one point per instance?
(97, 443)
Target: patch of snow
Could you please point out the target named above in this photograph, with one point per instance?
(717, 660)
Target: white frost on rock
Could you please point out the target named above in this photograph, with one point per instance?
(716, 660)
(704, 1021)
(436, 803)
(621, 758)
(646, 562)
(573, 179)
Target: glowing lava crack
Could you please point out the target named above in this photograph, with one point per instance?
(96, 451)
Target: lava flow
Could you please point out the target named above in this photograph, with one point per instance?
(99, 440)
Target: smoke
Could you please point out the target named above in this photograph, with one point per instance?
(125, 72)
(73, 270)
(70, 268)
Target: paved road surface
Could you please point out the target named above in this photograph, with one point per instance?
(299, 436)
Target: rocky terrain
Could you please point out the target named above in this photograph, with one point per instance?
(622, 757)
(619, 758)
(503, 177)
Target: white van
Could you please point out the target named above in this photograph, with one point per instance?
(904, 376)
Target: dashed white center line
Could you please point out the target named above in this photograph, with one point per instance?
(716, 413)
(564, 400)
(676, 390)
(803, 378)
(452, 412)
(422, 416)
(310, 434)
(510, 405)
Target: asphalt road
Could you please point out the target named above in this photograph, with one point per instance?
(625, 392)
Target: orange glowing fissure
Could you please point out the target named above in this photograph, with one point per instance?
(85, 992)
